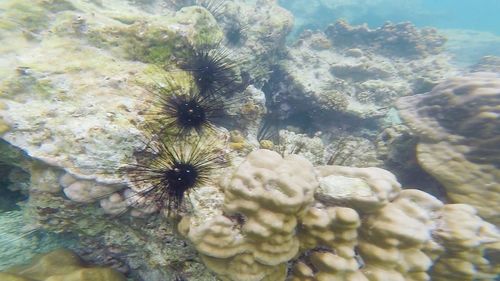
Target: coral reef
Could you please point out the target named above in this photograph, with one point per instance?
(100, 76)
(352, 151)
(265, 26)
(81, 110)
(396, 147)
(145, 247)
(361, 226)
(60, 265)
(457, 124)
(260, 248)
(402, 39)
(352, 71)
(78, 111)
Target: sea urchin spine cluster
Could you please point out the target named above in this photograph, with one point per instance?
(177, 157)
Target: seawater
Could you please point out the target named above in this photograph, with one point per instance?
(472, 27)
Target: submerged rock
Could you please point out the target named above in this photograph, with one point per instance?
(348, 73)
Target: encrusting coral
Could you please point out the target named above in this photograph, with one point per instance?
(362, 226)
(458, 126)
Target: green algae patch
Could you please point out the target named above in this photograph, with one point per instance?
(157, 40)
(31, 17)
(157, 54)
(141, 41)
(206, 30)
(67, 56)
(126, 19)
(20, 85)
(57, 5)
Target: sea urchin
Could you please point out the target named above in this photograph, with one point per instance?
(182, 112)
(213, 70)
(170, 169)
(235, 33)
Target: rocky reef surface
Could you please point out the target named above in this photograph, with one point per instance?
(75, 93)
(357, 72)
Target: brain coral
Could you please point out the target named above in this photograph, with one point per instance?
(459, 128)
(332, 223)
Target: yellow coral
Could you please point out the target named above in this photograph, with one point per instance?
(236, 136)
(266, 144)
(60, 265)
(237, 141)
(334, 100)
(4, 127)
(238, 146)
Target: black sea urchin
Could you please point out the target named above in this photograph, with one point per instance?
(213, 70)
(181, 112)
(171, 169)
(215, 7)
(235, 34)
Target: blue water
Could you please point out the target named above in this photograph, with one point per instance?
(463, 14)
(472, 27)
(482, 15)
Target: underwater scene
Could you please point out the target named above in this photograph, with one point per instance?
(249, 140)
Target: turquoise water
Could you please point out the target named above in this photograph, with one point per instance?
(479, 15)
(466, 14)
(472, 28)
